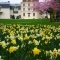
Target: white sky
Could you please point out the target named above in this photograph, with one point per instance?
(14, 1)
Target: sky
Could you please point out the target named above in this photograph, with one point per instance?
(13, 1)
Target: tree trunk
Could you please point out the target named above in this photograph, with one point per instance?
(52, 15)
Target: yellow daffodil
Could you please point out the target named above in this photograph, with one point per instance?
(47, 37)
(36, 51)
(35, 42)
(13, 41)
(47, 53)
(3, 44)
(58, 36)
(54, 51)
(50, 52)
(12, 49)
(46, 42)
(26, 37)
(59, 51)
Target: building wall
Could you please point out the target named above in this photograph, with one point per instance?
(5, 13)
(44, 15)
(15, 14)
(31, 15)
(24, 9)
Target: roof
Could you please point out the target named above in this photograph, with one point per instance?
(12, 6)
(8, 5)
(5, 4)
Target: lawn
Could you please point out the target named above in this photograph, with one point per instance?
(28, 21)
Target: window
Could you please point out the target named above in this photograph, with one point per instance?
(15, 10)
(23, 14)
(23, 9)
(33, 14)
(28, 14)
(23, 4)
(28, 9)
(28, 4)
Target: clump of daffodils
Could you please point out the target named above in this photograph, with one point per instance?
(3, 44)
(30, 39)
(53, 53)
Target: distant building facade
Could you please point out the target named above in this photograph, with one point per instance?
(19, 11)
(4, 10)
(15, 10)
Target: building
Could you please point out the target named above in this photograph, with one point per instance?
(4, 10)
(22, 10)
(15, 10)
(26, 11)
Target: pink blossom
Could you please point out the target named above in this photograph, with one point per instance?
(42, 6)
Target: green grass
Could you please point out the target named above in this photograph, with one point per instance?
(28, 21)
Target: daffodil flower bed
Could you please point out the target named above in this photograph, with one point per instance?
(29, 42)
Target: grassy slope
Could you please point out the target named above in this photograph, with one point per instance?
(28, 21)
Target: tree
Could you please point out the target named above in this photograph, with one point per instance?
(51, 6)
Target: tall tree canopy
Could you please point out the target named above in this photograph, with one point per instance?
(52, 6)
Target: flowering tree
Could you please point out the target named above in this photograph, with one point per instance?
(51, 6)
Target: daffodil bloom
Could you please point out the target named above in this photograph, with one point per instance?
(59, 51)
(12, 37)
(47, 37)
(3, 44)
(13, 41)
(36, 42)
(54, 51)
(43, 38)
(46, 42)
(51, 53)
(12, 49)
(26, 37)
(58, 36)
(30, 42)
(36, 51)
(47, 53)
